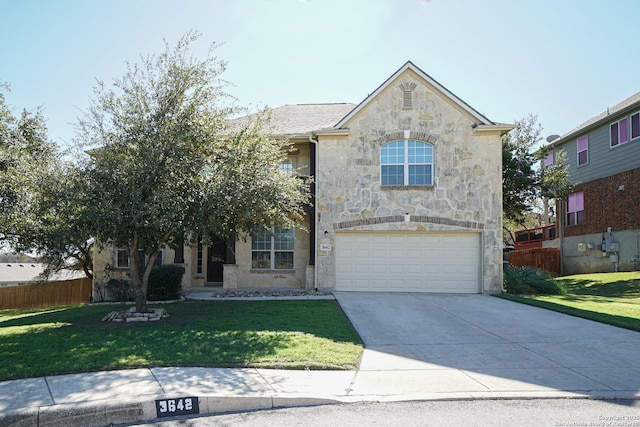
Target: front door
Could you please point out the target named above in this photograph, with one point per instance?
(215, 261)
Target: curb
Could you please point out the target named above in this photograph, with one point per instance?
(104, 413)
(110, 412)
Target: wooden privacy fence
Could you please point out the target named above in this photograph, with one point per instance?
(543, 258)
(48, 294)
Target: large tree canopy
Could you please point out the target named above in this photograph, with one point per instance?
(525, 181)
(41, 205)
(519, 178)
(167, 162)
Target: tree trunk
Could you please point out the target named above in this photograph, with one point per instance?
(141, 300)
(140, 280)
(139, 291)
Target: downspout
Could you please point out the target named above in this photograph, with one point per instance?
(314, 143)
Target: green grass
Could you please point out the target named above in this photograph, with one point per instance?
(270, 334)
(612, 298)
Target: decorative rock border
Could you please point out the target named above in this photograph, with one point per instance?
(265, 293)
(132, 316)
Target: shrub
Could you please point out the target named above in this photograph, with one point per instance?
(165, 282)
(119, 290)
(529, 280)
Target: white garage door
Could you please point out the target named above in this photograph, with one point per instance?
(408, 262)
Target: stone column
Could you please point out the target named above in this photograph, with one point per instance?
(230, 276)
(310, 277)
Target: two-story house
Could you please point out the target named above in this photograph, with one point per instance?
(601, 217)
(407, 197)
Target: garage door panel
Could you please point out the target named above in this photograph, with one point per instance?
(426, 262)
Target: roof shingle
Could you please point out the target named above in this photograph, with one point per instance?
(300, 119)
(632, 100)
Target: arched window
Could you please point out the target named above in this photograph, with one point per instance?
(406, 162)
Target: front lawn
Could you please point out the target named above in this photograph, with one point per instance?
(612, 298)
(270, 334)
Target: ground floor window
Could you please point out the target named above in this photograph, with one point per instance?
(199, 258)
(123, 261)
(272, 248)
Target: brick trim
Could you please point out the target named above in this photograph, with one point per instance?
(399, 135)
(413, 218)
(447, 221)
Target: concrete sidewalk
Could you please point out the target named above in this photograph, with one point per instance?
(114, 397)
(385, 374)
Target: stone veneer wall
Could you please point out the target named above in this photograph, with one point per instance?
(296, 278)
(467, 190)
(104, 260)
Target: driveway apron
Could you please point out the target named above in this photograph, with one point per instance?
(433, 343)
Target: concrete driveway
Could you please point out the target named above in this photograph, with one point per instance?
(474, 344)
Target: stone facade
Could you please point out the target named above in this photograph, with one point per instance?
(467, 188)
(342, 152)
(295, 278)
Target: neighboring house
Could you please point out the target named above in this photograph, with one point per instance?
(601, 218)
(407, 197)
(22, 273)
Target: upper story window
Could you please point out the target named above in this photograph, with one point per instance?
(583, 150)
(406, 162)
(548, 161)
(575, 209)
(272, 248)
(620, 132)
(635, 125)
(286, 167)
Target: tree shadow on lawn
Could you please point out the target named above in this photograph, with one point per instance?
(621, 288)
(611, 319)
(220, 334)
(321, 318)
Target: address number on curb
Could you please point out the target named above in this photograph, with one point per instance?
(179, 406)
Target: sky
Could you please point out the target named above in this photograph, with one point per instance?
(564, 60)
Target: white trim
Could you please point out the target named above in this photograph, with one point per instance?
(272, 252)
(631, 137)
(406, 165)
(410, 66)
(502, 128)
(578, 151)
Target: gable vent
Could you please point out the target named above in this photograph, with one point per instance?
(407, 100)
(407, 95)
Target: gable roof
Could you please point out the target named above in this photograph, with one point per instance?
(301, 119)
(630, 103)
(431, 81)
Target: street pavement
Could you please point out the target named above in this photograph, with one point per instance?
(418, 347)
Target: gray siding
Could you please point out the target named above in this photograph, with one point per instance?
(603, 160)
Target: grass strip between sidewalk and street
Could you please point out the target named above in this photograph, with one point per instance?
(611, 298)
(292, 334)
